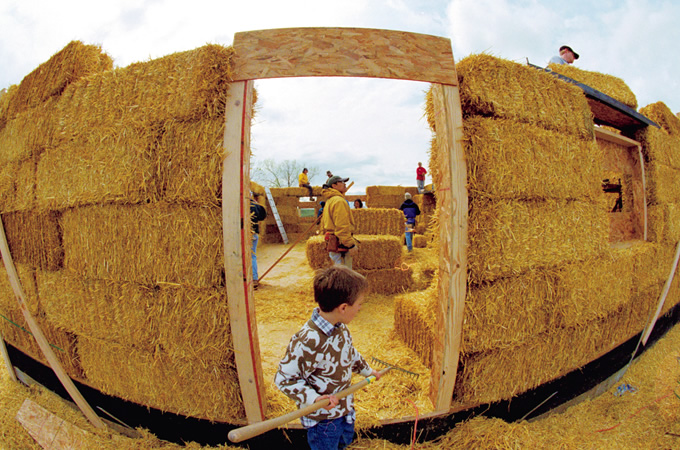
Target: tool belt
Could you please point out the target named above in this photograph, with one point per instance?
(333, 244)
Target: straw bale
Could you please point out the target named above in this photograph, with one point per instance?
(545, 356)
(491, 86)
(508, 237)
(375, 252)
(610, 85)
(664, 223)
(198, 386)
(659, 147)
(189, 85)
(389, 281)
(30, 132)
(653, 263)
(415, 323)
(426, 202)
(147, 244)
(8, 173)
(386, 190)
(295, 192)
(34, 238)
(663, 183)
(663, 116)
(384, 201)
(420, 241)
(189, 161)
(6, 95)
(257, 189)
(510, 159)
(286, 201)
(105, 164)
(673, 297)
(15, 331)
(73, 62)
(380, 221)
(26, 275)
(182, 320)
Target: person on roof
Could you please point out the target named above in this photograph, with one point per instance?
(566, 56)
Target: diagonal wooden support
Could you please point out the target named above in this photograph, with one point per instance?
(40, 336)
(5, 356)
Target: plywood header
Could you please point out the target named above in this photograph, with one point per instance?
(343, 52)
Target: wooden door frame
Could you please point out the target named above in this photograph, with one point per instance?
(345, 52)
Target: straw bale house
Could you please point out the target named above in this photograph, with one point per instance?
(111, 197)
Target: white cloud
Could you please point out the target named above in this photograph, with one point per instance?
(371, 130)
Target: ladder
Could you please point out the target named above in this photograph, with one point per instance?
(276, 215)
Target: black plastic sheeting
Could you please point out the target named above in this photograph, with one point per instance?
(181, 429)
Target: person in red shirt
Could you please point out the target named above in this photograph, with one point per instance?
(420, 177)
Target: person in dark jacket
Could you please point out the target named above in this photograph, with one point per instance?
(257, 215)
(410, 210)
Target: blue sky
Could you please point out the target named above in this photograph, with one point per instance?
(372, 131)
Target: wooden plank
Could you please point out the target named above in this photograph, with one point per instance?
(236, 233)
(343, 52)
(662, 298)
(616, 138)
(51, 431)
(5, 357)
(40, 336)
(453, 231)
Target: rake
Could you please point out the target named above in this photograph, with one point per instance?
(255, 429)
(393, 367)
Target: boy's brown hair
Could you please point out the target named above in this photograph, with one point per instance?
(336, 285)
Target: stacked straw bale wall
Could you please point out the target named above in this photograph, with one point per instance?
(110, 192)
(547, 292)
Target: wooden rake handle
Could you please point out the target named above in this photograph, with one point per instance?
(255, 429)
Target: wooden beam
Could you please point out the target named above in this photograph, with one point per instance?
(237, 242)
(616, 138)
(40, 336)
(453, 231)
(343, 52)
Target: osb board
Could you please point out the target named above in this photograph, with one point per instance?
(49, 430)
(350, 52)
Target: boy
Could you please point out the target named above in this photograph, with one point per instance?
(320, 358)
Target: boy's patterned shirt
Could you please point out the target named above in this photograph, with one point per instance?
(319, 360)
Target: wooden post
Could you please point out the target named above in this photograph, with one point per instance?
(453, 230)
(237, 242)
(40, 337)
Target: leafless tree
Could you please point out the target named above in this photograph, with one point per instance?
(278, 174)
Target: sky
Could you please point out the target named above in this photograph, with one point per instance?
(370, 130)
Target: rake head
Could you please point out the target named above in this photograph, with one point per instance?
(393, 367)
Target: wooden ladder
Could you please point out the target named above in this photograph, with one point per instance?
(276, 215)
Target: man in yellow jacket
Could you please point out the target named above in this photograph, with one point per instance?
(303, 181)
(337, 222)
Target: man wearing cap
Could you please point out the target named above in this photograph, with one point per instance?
(337, 222)
(567, 56)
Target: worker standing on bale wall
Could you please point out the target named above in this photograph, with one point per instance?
(337, 222)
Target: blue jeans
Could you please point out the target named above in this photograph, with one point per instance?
(253, 256)
(343, 258)
(334, 434)
(421, 186)
(409, 236)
